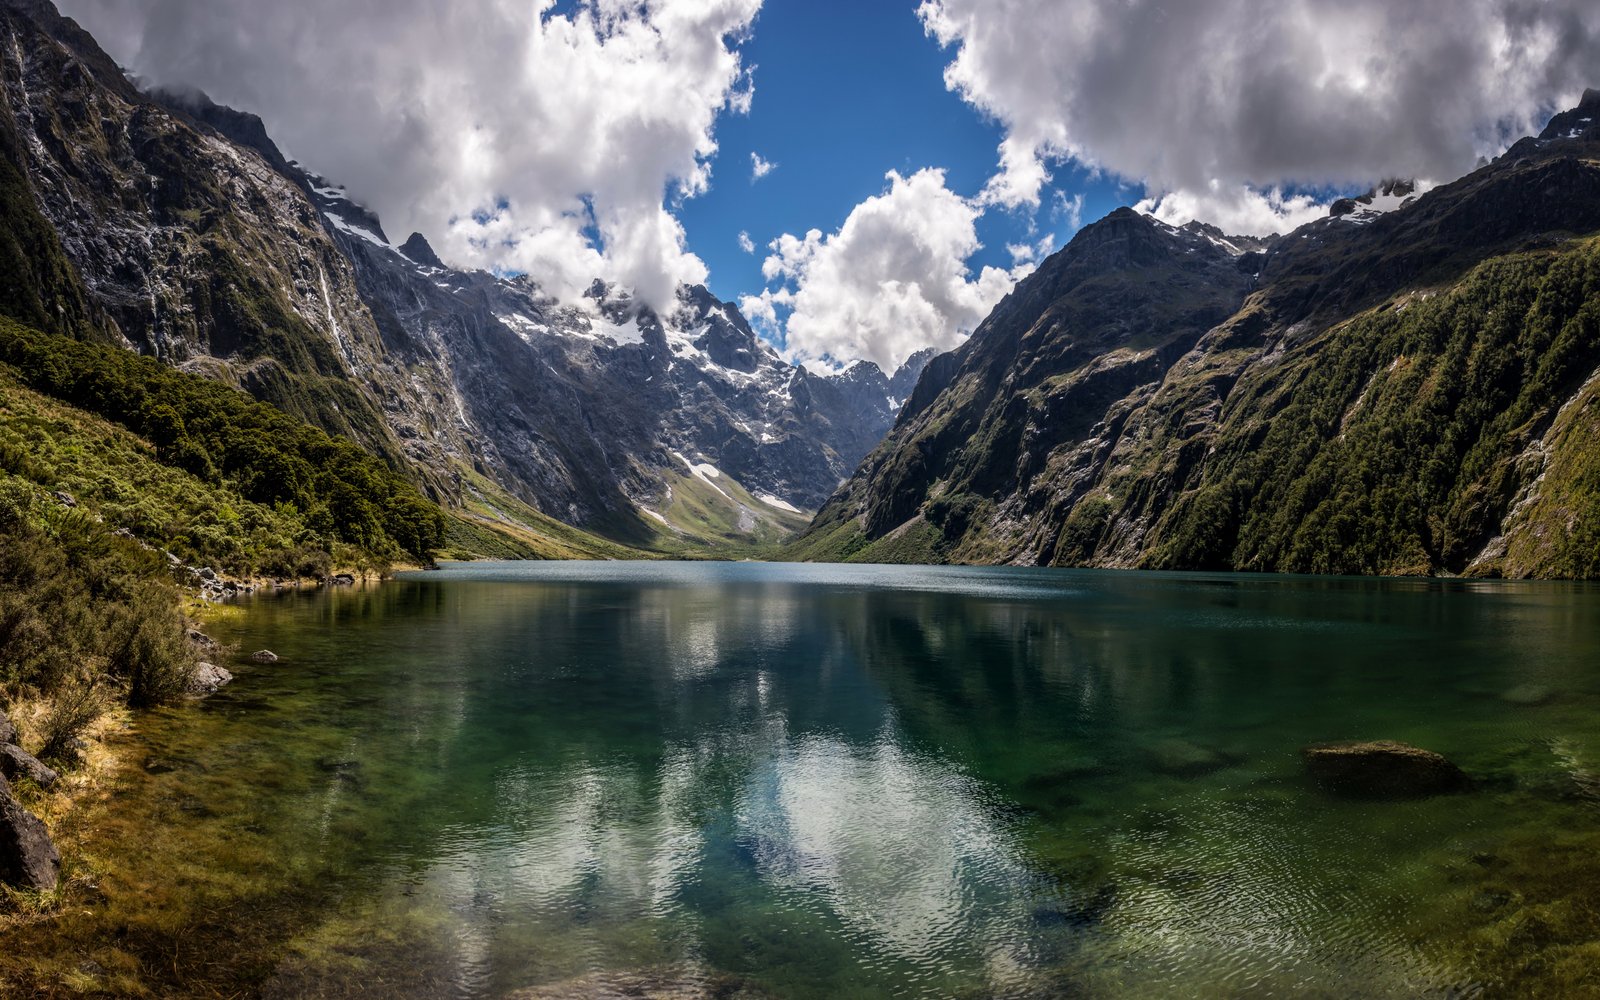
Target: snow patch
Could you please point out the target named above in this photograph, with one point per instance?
(704, 472)
(356, 231)
(522, 326)
(622, 334)
(647, 512)
(772, 501)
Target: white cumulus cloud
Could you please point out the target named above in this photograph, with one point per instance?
(513, 136)
(1217, 105)
(759, 167)
(893, 280)
(746, 244)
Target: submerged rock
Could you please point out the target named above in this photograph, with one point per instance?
(8, 732)
(1383, 769)
(1185, 759)
(16, 763)
(208, 679)
(28, 859)
(1079, 915)
(648, 984)
(1528, 695)
(264, 656)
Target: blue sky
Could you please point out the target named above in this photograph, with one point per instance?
(837, 108)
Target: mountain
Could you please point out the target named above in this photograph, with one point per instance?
(199, 243)
(605, 408)
(1405, 387)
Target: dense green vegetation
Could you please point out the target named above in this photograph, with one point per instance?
(1398, 442)
(83, 613)
(309, 490)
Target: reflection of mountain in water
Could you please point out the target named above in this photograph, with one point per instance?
(981, 782)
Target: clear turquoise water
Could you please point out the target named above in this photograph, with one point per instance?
(819, 781)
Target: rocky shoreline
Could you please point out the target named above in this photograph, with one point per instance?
(29, 858)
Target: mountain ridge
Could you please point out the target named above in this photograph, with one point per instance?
(1048, 459)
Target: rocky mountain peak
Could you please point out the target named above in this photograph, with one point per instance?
(1385, 196)
(1582, 122)
(418, 251)
(238, 126)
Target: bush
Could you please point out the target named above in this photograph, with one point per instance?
(78, 603)
(301, 562)
(148, 647)
(73, 709)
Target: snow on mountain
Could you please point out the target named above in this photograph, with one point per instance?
(587, 409)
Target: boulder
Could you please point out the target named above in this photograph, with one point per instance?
(201, 641)
(208, 679)
(28, 860)
(343, 580)
(1383, 769)
(264, 656)
(8, 732)
(16, 763)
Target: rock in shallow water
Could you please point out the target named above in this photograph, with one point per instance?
(16, 763)
(28, 859)
(208, 679)
(1383, 769)
(264, 656)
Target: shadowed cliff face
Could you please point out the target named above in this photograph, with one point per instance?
(1378, 392)
(196, 250)
(198, 242)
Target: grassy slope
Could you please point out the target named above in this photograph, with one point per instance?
(495, 525)
(720, 519)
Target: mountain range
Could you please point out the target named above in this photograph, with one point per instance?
(199, 243)
(1406, 386)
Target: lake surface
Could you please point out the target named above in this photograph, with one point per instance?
(545, 780)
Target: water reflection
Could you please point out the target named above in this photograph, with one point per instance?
(908, 782)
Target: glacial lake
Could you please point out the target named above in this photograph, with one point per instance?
(749, 780)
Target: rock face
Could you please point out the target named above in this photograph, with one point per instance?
(584, 408)
(1400, 389)
(17, 763)
(8, 732)
(28, 859)
(1383, 770)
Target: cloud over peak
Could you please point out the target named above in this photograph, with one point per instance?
(521, 138)
(892, 281)
(1219, 102)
